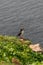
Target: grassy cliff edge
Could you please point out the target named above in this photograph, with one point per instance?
(16, 51)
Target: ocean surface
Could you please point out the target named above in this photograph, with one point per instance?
(27, 13)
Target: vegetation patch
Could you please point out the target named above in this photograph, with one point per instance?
(15, 51)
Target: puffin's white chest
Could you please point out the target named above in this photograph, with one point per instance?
(22, 32)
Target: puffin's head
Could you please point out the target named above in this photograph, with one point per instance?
(22, 29)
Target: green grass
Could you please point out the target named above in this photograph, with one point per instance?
(12, 47)
(4, 63)
(34, 63)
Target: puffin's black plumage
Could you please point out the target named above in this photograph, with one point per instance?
(21, 32)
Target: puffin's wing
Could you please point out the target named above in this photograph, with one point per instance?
(19, 34)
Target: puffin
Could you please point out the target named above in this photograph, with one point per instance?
(21, 32)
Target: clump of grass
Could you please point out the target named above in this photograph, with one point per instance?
(4, 63)
(12, 47)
